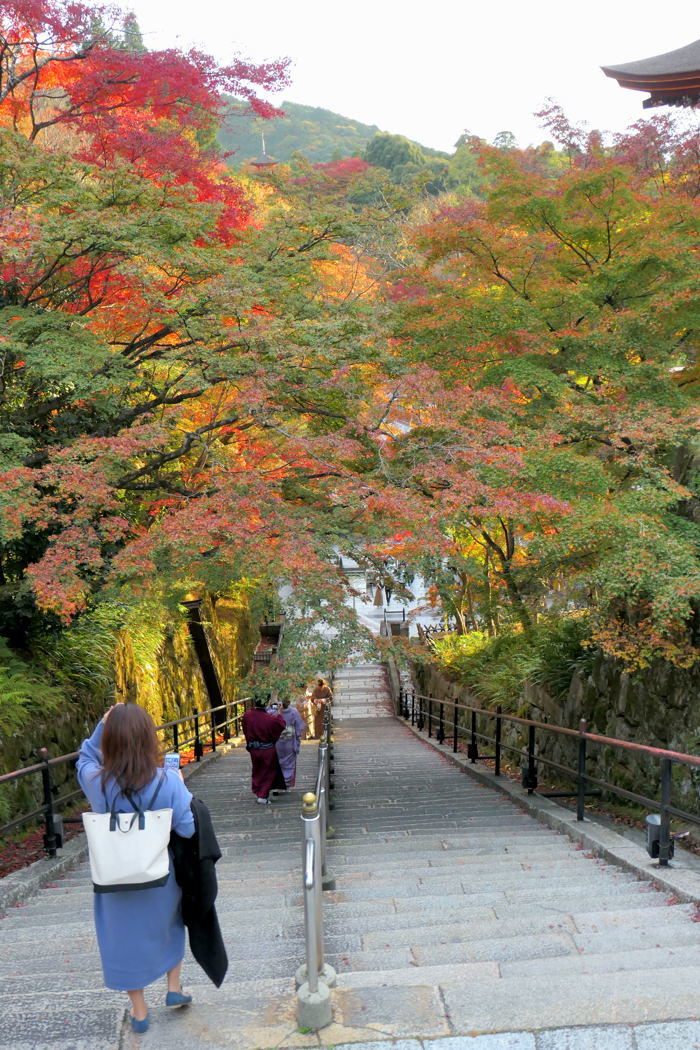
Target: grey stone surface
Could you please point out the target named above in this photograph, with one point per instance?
(393, 1044)
(462, 932)
(608, 962)
(393, 1011)
(499, 1041)
(52, 1026)
(550, 1001)
(675, 1035)
(531, 948)
(599, 1037)
(681, 877)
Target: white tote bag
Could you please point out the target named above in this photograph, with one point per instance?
(129, 851)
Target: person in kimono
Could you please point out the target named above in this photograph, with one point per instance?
(262, 731)
(321, 696)
(289, 742)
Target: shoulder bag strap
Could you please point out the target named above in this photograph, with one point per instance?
(159, 785)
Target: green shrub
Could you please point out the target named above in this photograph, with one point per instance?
(497, 669)
(23, 692)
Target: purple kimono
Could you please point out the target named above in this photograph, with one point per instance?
(288, 745)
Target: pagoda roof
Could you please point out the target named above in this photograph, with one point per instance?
(263, 161)
(672, 78)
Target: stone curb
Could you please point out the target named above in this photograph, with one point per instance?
(682, 881)
(673, 1035)
(21, 885)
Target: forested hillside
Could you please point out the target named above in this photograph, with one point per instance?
(318, 134)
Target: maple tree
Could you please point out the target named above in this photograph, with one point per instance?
(180, 360)
(559, 315)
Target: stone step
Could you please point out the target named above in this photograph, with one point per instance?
(574, 965)
(513, 878)
(548, 1001)
(441, 902)
(523, 846)
(440, 924)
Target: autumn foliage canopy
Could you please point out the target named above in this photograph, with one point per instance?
(204, 378)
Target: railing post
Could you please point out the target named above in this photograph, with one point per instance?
(213, 730)
(455, 727)
(421, 721)
(581, 779)
(665, 828)
(176, 738)
(227, 721)
(499, 724)
(430, 716)
(440, 735)
(323, 785)
(198, 749)
(529, 780)
(472, 746)
(401, 701)
(315, 978)
(413, 707)
(52, 841)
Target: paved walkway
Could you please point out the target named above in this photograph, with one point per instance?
(458, 922)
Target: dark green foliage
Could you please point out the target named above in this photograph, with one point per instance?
(24, 691)
(392, 152)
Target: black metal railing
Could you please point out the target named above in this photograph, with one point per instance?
(201, 731)
(430, 713)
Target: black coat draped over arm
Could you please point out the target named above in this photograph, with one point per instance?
(194, 861)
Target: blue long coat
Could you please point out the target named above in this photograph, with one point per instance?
(140, 933)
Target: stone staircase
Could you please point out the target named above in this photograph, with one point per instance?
(461, 913)
(51, 991)
(361, 691)
(454, 913)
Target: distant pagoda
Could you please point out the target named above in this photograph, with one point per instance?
(672, 79)
(264, 161)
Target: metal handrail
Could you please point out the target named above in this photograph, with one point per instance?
(420, 715)
(309, 880)
(316, 976)
(53, 824)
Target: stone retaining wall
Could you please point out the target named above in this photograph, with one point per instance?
(659, 707)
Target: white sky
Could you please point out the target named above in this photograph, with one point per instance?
(431, 70)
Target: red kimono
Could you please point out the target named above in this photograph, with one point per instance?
(261, 733)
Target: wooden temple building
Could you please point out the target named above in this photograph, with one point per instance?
(672, 79)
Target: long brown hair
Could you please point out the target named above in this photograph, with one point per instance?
(130, 751)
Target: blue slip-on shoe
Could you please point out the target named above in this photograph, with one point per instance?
(140, 1026)
(177, 999)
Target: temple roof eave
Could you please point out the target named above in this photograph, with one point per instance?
(684, 60)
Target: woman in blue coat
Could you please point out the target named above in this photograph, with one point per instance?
(140, 933)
